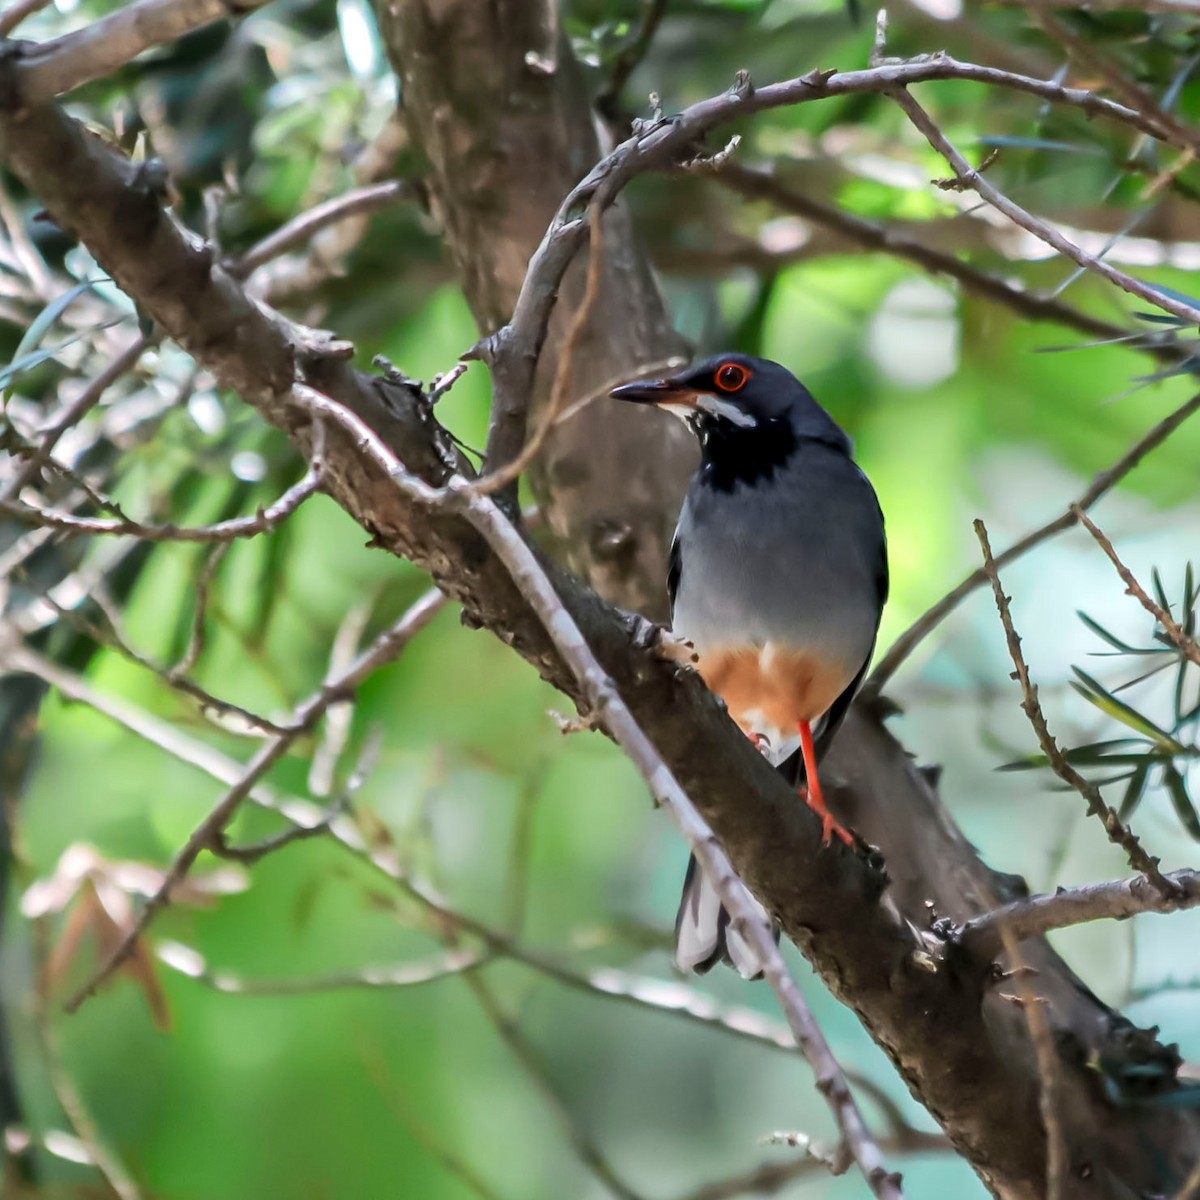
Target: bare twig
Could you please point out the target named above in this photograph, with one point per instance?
(503, 474)
(1119, 833)
(908, 641)
(444, 1151)
(264, 521)
(385, 649)
(25, 251)
(358, 202)
(204, 582)
(581, 1142)
(1116, 901)
(15, 13)
(340, 716)
(631, 55)
(113, 636)
(971, 177)
(191, 963)
(1186, 645)
(248, 855)
(111, 1170)
(86, 401)
(764, 185)
(279, 280)
(604, 700)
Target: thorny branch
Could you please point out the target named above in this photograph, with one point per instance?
(1185, 644)
(1119, 833)
(908, 641)
(264, 521)
(977, 181)
(761, 184)
(1116, 901)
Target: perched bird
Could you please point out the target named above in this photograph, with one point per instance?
(778, 577)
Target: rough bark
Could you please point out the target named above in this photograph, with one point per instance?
(942, 1019)
(497, 105)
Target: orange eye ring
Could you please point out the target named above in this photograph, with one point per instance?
(731, 377)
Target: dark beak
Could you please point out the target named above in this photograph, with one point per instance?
(655, 391)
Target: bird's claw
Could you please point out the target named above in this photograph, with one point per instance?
(829, 823)
(672, 648)
(762, 743)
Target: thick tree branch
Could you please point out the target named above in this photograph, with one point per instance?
(601, 697)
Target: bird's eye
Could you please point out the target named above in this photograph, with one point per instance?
(732, 377)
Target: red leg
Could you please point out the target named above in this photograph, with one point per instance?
(812, 794)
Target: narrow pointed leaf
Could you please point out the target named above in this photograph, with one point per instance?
(44, 321)
(1098, 695)
(1110, 638)
(1134, 792)
(1181, 801)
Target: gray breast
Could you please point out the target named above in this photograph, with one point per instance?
(797, 560)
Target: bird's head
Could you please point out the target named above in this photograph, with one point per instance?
(736, 398)
(731, 390)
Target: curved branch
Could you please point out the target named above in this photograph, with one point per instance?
(1115, 901)
(65, 63)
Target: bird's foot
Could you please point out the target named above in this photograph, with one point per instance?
(762, 743)
(672, 648)
(829, 823)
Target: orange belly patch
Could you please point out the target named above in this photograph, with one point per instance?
(772, 686)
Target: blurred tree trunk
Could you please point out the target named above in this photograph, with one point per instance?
(497, 104)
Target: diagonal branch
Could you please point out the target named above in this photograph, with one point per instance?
(604, 701)
(1185, 643)
(385, 649)
(968, 176)
(765, 185)
(1118, 832)
(912, 637)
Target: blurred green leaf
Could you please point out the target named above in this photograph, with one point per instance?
(1095, 693)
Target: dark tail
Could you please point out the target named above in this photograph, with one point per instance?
(703, 935)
